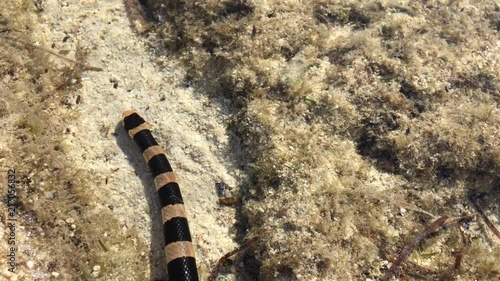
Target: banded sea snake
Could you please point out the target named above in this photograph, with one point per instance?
(181, 263)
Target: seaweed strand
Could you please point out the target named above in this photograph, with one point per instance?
(405, 252)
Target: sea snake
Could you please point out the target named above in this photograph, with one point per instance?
(181, 263)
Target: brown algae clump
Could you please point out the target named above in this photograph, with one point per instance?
(358, 119)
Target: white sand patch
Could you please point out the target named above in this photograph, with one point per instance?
(187, 124)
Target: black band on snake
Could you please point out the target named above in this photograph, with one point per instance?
(178, 247)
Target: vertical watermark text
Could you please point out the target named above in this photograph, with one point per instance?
(11, 220)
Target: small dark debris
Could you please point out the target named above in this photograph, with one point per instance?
(114, 81)
(220, 189)
(69, 185)
(288, 53)
(25, 180)
(67, 102)
(102, 245)
(228, 201)
(51, 266)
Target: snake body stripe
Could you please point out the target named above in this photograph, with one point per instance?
(178, 245)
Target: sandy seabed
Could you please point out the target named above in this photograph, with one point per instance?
(341, 128)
